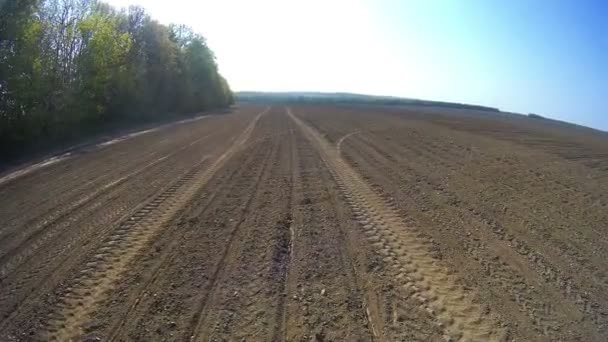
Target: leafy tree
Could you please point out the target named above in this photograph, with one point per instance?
(102, 63)
(69, 67)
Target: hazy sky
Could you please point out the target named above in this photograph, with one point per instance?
(549, 57)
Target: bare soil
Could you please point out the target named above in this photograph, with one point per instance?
(314, 223)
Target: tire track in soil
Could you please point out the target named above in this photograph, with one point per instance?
(52, 196)
(93, 171)
(117, 331)
(29, 284)
(112, 259)
(541, 310)
(327, 296)
(285, 250)
(424, 279)
(344, 137)
(259, 261)
(40, 235)
(168, 257)
(474, 246)
(197, 331)
(382, 168)
(35, 275)
(374, 323)
(7, 178)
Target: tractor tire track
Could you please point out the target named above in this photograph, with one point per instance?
(37, 273)
(40, 235)
(250, 297)
(541, 312)
(250, 292)
(326, 298)
(68, 182)
(165, 259)
(428, 282)
(348, 255)
(106, 267)
(168, 258)
(196, 329)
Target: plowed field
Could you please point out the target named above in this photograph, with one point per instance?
(314, 223)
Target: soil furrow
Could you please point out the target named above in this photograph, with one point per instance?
(284, 251)
(468, 237)
(515, 222)
(86, 171)
(184, 275)
(41, 271)
(325, 298)
(313, 222)
(423, 276)
(349, 248)
(106, 267)
(548, 273)
(221, 292)
(129, 239)
(471, 244)
(169, 255)
(14, 255)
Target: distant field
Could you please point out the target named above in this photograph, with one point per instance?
(286, 221)
(349, 98)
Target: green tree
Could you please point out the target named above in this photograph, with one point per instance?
(69, 67)
(102, 65)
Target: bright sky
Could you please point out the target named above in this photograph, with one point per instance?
(548, 57)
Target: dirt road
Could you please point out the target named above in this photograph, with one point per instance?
(323, 223)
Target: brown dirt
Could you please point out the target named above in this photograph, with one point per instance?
(320, 223)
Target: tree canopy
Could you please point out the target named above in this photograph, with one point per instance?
(68, 67)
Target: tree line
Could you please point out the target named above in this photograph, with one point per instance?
(70, 67)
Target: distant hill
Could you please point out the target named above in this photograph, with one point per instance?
(348, 98)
